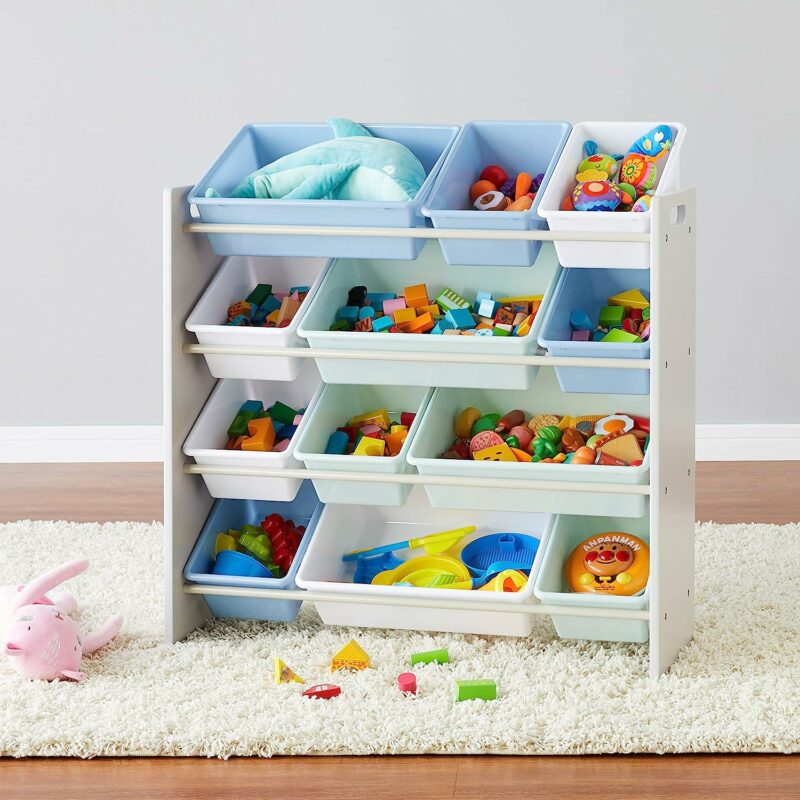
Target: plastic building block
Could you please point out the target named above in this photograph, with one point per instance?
(377, 299)
(407, 418)
(351, 656)
(487, 308)
(633, 298)
(407, 682)
(382, 324)
(284, 674)
(646, 314)
(367, 446)
(341, 325)
(289, 307)
(619, 335)
(476, 690)
(448, 300)
(323, 691)
(611, 316)
(240, 320)
(301, 290)
(432, 309)
(247, 411)
(379, 417)
(403, 315)
(440, 656)
(337, 444)
(504, 316)
(416, 295)
(391, 306)
(580, 336)
(262, 435)
(500, 330)
(365, 312)
(282, 413)
(460, 318)
(527, 298)
(597, 336)
(348, 313)
(259, 294)
(364, 325)
(394, 442)
(269, 305)
(286, 431)
(524, 328)
(240, 307)
(424, 322)
(579, 320)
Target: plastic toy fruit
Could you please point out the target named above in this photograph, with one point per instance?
(612, 563)
(494, 174)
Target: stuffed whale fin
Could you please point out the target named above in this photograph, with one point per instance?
(345, 127)
(325, 179)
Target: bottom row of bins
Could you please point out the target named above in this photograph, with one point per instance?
(333, 530)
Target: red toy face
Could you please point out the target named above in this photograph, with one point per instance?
(608, 559)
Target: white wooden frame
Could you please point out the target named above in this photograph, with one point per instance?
(189, 264)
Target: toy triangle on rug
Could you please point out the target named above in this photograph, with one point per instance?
(351, 656)
(284, 674)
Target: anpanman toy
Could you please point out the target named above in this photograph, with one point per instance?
(613, 563)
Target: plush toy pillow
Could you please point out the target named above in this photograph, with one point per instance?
(355, 165)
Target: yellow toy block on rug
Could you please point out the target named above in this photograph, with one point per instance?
(284, 674)
(351, 656)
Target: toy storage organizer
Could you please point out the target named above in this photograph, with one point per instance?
(417, 490)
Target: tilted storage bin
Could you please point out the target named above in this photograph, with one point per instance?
(305, 509)
(336, 405)
(435, 435)
(431, 269)
(235, 279)
(551, 588)
(613, 138)
(257, 145)
(589, 290)
(518, 146)
(340, 531)
(206, 441)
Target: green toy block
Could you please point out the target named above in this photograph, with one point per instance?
(250, 409)
(476, 690)
(646, 314)
(611, 316)
(448, 300)
(440, 656)
(619, 335)
(500, 332)
(341, 325)
(282, 413)
(260, 294)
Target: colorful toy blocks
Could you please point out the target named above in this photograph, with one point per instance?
(379, 417)
(416, 296)
(579, 320)
(633, 298)
(460, 318)
(403, 316)
(367, 446)
(382, 324)
(248, 410)
(620, 335)
(581, 336)
(259, 294)
(487, 308)
(611, 316)
(394, 305)
(476, 690)
(262, 435)
(351, 656)
(448, 300)
(440, 656)
(266, 308)
(282, 413)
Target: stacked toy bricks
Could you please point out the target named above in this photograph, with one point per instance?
(263, 308)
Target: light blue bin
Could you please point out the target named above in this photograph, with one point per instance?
(532, 147)
(305, 509)
(551, 588)
(257, 145)
(589, 289)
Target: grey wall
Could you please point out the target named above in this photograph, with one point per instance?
(104, 103)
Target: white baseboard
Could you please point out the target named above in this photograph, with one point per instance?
(85, 443)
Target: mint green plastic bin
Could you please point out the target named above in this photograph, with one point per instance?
(551, 588)
(336, 405)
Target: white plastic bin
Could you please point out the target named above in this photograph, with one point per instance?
(551, 588)
(206, 441)
(518, 146)
(339, 531)
(338, 404)
(260, 144)
(435, 435)
(235, 279)
(614, 138)
(430, 268)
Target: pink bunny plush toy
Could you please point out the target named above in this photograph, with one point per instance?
(42, 640)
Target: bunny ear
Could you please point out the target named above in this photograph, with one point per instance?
(40, 586)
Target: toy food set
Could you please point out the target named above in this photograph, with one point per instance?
(261, 552)
(496, 191)
(613, 563)
(626, 318)
(263, 308)
(370, 434)
(269, 430)
(354, 165)
(626, 182)
(612, 440)
(448, 313)
(498, 562)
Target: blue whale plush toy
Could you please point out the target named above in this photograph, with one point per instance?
(354, 165)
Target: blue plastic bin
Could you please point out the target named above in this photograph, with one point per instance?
(531, 147)
(305, 509)
(589, 289)
(257, 145)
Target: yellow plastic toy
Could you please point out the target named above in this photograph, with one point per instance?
(613, 563)
(440, 572)
(509, 580)
(284, 674)
(351, 656)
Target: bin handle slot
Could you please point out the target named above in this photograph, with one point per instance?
(677, 215)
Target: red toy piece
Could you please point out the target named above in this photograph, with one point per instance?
(284, 536)
(324, 691)
(407, 418)
(407, 682)
(494, 174)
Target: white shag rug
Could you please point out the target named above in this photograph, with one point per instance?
(736, 688)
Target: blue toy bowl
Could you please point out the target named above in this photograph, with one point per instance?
(232, 562)
(517, 548)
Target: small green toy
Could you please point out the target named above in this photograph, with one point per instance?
(476, 690)
(440, 656)
(547, 443)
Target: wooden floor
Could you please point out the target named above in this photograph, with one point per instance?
(726, 492)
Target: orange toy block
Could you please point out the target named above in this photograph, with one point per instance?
(262, 435)
(394, 442)
(433, 309)
(416, 295)
(237, 443)
(379, 417)
(403, 315)
(288, 309)
(272, 319)
(424, 322)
